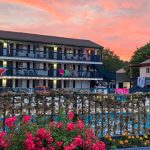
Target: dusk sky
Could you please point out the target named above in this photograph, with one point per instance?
(120, 25)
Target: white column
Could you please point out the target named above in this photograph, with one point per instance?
(14, 83)
(24, 83)
(40, 82)
(62, 83)
(54, 84)
(30, 83)
(47, 83)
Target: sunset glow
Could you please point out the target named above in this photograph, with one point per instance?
(120, 25)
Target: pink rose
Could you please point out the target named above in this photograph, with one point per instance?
(59, 144)
(70, 115)
(10, 121)
(70, 126)
(26, 119)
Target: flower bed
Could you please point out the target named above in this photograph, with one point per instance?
(65, 134)
(127, 141)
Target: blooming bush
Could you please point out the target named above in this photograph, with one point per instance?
(66, 135)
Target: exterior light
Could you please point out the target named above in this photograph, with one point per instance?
(5, 44)
(55, 49)
(4, 63)
(4, 82)
(55, 66)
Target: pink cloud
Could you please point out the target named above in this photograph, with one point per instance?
(121, 26)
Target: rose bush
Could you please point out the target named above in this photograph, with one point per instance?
(63, 135)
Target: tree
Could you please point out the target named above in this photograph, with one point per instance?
(112, 62)
(140, 55)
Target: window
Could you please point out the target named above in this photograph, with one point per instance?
(147, 70)
(39, 66)
(74, 83)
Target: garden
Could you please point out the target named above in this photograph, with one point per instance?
(73, 121)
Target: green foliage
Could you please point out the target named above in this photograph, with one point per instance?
(112, 62)
(140, 55)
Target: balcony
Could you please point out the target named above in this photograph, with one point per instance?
(50, 55)
(52, 73)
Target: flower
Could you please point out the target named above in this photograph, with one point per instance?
(42, 133)
(121, 142)
(90, 133)
(132, 137)
(49, 138)
(70, 115)
(29, 142)
(10, 121)
(2, 134)
(80, 125)
(98, 146)
(87, 143)
(126, 141)
(60, 125)
(3, 142)
(70, 126)
(72, 146)
(59, 144)
(145, 136)
(26, 119)
(78, 140)
(52, 148)
(129, 137)
(141, 138)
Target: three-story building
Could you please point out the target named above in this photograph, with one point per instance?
(38, 60)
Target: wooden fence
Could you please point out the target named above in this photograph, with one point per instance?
(111, 114)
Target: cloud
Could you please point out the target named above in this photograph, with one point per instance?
(119, 25)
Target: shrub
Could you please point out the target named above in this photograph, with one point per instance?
(67, 135)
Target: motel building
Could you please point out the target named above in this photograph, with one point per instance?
(33, 60)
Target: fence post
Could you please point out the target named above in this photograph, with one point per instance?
(114, 107)
(4, 111)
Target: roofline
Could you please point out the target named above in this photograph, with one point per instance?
(98, 46)
(141, 65)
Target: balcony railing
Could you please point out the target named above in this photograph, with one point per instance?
(52, 73)
(50, 55)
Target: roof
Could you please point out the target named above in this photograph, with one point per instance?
(146, 61)
(28, 37)
(122, 70)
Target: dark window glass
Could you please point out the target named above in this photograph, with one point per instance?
(33, 83)
(65, 66)
(50, 83)
(74, 84)
(58, 83)
(79, 67)
(28, 65)
(74, 67)
(27, 83)
(28, 48)
(64, 83)
(65, 51)
(87, 67)
(16, 82)
(44, 82)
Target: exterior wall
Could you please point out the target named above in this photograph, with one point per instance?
(30, 55)
(143, 72)
(125, 84)
(82, 84)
